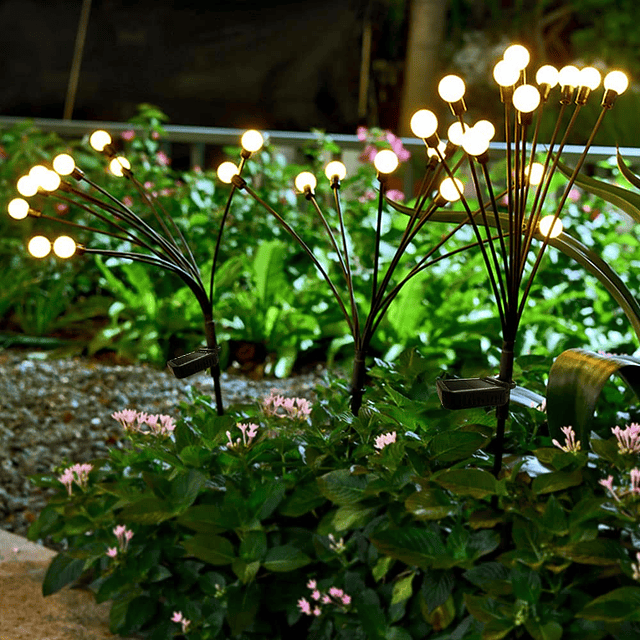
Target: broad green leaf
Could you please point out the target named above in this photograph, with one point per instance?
(351, 516)
(246, 571)
(526, 584)
(547, 631)
(482, 543)
(429, 504)
(285, 558)
(370, 612)
(575, 382)
(185, 488)
(202, 518)
(468, 482)
(341, 487)
(411, 545)
(381, 567)
(556, 481)
(450, 446)
(215, 550)
(304, 498)
(616, 606)
(253, 546)
(243, 603)
(148, 511)
(62, 571)
(492, 577)
(265, 499)
(436, 588)
(597, 552)
(441, 617)
(406, 314)
(268, 271)
(402, 589)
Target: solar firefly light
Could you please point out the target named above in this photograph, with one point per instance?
(158, 242)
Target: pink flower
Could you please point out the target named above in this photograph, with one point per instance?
(123, 535)
(574, 194)
(368, 195)
(311, 584)
(384, 439)
(126, 417)
(155, 135)
(335, 592)
(635, 480)
(570, 445)
(395, 194)
(398, 147)
(148, 185)
(316, 594)
(281, 407)
(304, 606)
(628, 439)
(162, 158)
(369, 153)
(127, 201)
(67, 479)
(129, 134)
(61, 208)
(361, 132)
(346, 599)
(326, 599)
(112, 552)
(180, 619)
(608, 484)
(317, 611)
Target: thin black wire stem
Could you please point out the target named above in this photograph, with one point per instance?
(77, 225)
(307, 250)
(496, 215)
(376, 251)
(354, 307)
(510, 194)
(561, 203)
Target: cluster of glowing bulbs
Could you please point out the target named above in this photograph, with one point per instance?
(41, 247)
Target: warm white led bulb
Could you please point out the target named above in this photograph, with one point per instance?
(569, 76)
(442, 145)
(505, 74)
(455, 133)
(386, 161)
(590, 77)
(64, 247)
(517, 56)
(535, 171)
(64, 164)
(305, 180)
(335, 169)
(99, 140)
(226, 171)
(526, 98)
(547, 74)
(451, 189)
(118, 165)
(486, 128)
(38, 173)
(451, 88)
(616, 81)
(39, 247)
(424, 123)
(50, 180)
(252, 140)
(475, 142)
(548, 228)
(18, 209)
(27, 186)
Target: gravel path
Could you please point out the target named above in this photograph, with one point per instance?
(54, 411)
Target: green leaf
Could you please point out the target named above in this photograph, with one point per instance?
(556, 481)
(351, 516)
(285, 558)
(436, 588)
(526, 584)
(402, 589)
(450, 446)
(242, 606)
(575, 382)
(616, 606)
(598, 552)
(268, 271)
(406, 314)
(413, 546)
(381, 567)
(147, 511)
(468, 482)
(201, 518)
(253, 546)
(304, 498)
(429, 504)
(492, 577)
(62, 571)
(265, 499)
(185, 488)
(547, 631)
(341, 487)
(246, 571)
(370, 613)
(215, 550)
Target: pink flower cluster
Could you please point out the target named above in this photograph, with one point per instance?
(140, 422)
(570, 444)
(249, 432)
(78, 473)
(384, 439)
(335, 597)
(628, 438)
(370, 152)
(281, 407)
(634, 485)
(180, 619)
(123, 536)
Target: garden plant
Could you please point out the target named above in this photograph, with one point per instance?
(376, 515)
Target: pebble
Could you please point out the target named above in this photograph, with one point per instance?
(58, 412)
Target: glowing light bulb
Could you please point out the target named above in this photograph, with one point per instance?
(27, 186)
(335, 168)
(616, 81)
(548, 75)
(526, 98)
(118, 165)
(505, 75)
(305, 180)
(50, 180)
(64, 164)
(64, 247)
(456, 132)
(451, 88)
(252, 140)
(442, 145)
(474, 142)
(386, 161)
(424, 123)
(226, 171)
(590, 77)
(569, 76)
(548, 228)
(486, 128)
(517, 56)
(38, 173)
(451, 189)
(39, 247)
(535, 172)
(99, 140)
(18, 209)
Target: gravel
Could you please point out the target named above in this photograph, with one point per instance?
(58, 411)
